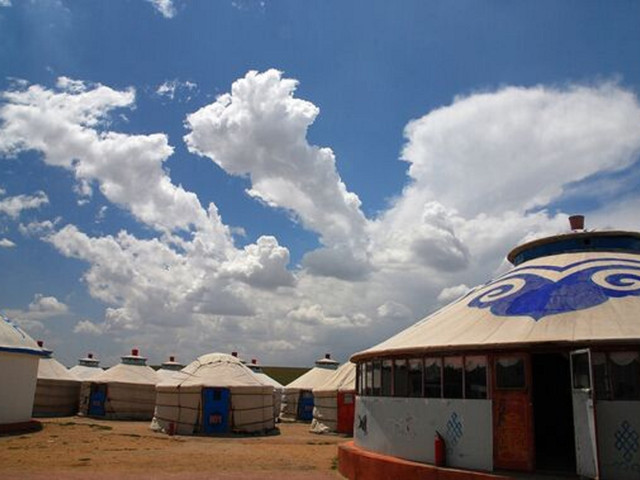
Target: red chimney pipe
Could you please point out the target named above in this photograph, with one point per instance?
(254, 361)
(134, 352)
(576, 222)
(327, 356)
(40, 343)
(172, 358)
(234, 354)
(89, 355)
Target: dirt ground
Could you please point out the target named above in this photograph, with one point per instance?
(80, 448)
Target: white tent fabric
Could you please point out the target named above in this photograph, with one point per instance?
(57, 390)
(179, 400)
(87, 368)
(278, 389)
(325, 397)
(131, 390)
(19, 355)
(315, 377)
(572, 298)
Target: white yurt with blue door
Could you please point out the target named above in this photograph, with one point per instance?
(19, 356)
(278, 389)
(87, 367)
(297, 399)
(214, 395)
(57, 389)
(126, 391)
(334, 402)
(537, 370)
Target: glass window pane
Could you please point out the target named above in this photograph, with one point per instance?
(386, 377)
(375, 388)
(415, 377)
(601, 382)
(625, 375)
(580, 370)
(432, 377)
(369, 378)
(510, 372)
(401, 379)
(360, 374)
(475, 377)
(452, 377)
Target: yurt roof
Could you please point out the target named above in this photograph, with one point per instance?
(51, 369)
(312, 379)
(89, 361)
(171, 364)
(215, 370)
(84, 372)
(14, 339)
(133, 369)
(342, 379)
(578, 298)
(327, 362)
(267, 380)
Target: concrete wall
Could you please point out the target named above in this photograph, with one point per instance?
(405, 428)
(618, 427)
(18, 375)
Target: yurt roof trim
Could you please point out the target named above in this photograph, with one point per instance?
(14, 340)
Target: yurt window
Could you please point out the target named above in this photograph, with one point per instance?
(625, 375)
(475, 377)
(376, 388)
(387, 380)
(580, 369)
(510, 373)
(415, 377)
(368, 378)
(400, 378)
(433, 377)
(602, 385)
(452, 377)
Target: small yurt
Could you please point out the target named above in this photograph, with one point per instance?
(126, 391)
(168, 369)
(214, 395)
(334, 402)
(297, 400)
(87, 367)
(535, 371)
(57, 389)
(278, 389)
(19, 356)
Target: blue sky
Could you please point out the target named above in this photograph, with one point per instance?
(380, 159)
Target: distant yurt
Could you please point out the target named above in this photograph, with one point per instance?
(168, 369)
(126, 391)
(297, 400)
(57, 389)
(19, 355)
(216, 394)
(278, 389)
(334, 402)
(87, 367)
(537, 370)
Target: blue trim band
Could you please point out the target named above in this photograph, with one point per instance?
(28, 351)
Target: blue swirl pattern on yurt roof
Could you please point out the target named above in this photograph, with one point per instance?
(538, 291)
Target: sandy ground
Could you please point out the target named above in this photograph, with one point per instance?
(81, 448)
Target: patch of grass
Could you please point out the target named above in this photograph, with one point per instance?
(334, 463)
(100, 427)
(90, 425)
(84, 459)
(134, 435)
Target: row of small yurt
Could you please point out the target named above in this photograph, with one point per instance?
(57, 389)
(215, 394)
(537, 370)
(19, 356)
(126, 391)
(297, 399)
(334, 402)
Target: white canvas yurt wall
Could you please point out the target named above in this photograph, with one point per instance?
(325, 397)
(130, 390)
(19, 355)
(57, 389)
(278, 389)
(180, 405)
(87, 367)
(325, 368)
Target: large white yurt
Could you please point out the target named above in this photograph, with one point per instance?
(19, 355)
(297, 399)
(87, 368)
(334, 402)
(57, 389)
(126, 391)
(537, 370)
(168, 369)
(278, 389)
(214, 395)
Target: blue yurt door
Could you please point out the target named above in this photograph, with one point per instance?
(305, 406)
(215, 410)
(97, 398)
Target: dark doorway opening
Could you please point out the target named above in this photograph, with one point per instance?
(553, 413)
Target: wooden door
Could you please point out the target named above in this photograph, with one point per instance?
(346, 411)
(513, 442)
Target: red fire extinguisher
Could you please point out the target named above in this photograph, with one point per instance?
(440, 451)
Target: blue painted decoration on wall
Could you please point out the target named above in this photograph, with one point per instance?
(539, 291)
